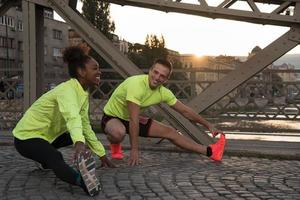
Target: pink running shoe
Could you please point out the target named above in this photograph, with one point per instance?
(116, 151)
(218, 148)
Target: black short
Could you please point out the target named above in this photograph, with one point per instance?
(145, 124)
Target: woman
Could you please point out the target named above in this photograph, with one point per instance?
(60, 118)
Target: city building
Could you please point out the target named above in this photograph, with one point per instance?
(11, 43)
(11, 46)
(121, 44)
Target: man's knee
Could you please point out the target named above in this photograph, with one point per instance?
(115, 135)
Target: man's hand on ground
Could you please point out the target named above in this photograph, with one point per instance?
(134, 157)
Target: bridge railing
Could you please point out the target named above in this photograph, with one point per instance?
(273, 94)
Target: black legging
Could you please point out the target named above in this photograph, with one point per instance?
(47, 154)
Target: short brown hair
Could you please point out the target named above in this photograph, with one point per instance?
(165, 63)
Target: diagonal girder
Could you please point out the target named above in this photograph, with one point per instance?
(247, 70)
(121, 64)
(222, 11)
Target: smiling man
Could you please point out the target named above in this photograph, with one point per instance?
(122, 114)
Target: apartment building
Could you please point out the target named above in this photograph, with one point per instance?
(11, 46)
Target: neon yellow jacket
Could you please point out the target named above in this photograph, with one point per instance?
(62, 109)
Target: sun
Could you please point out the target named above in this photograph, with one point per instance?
(199, 54)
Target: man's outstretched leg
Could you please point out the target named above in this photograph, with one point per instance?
(214, 151)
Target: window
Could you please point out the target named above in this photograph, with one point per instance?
(45, 50)
(45, 31)
(57, 52)
(57, 34)
(20, 65)
(6, 42)
(20, 46)
(48, 14)
(2, 20)
(7, 20)
(4, 63)
(20, 25)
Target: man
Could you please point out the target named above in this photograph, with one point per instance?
(121, 115)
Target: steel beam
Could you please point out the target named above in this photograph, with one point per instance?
(39, 16)
(226, 3)
(222, 11)
(29, 55)
(73, 4)
(247, 70)
(282, 7)
(42, 2)
(276, 2)
(253, 6)
(121, 64)
(95, 39)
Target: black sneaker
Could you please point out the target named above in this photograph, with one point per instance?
(87, 168)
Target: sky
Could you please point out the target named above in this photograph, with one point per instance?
(189, 34)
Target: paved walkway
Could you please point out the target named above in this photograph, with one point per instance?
(163, 174)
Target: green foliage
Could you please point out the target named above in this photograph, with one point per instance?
(144, 55)
(98, 13)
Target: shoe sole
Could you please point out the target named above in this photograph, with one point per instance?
(87, 169)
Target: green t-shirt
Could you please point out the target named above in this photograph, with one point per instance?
(136, 89)
(62, 109)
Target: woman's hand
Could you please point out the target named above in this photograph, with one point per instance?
(105, 162)
(81, 149)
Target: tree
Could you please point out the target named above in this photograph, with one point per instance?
(98, 13)
(144, 55)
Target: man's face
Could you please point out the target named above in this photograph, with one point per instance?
(158, 75)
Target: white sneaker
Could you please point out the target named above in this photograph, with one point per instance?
(87, 168)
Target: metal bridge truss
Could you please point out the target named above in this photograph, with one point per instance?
(286, 13)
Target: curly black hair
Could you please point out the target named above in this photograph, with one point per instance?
(74, 57)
